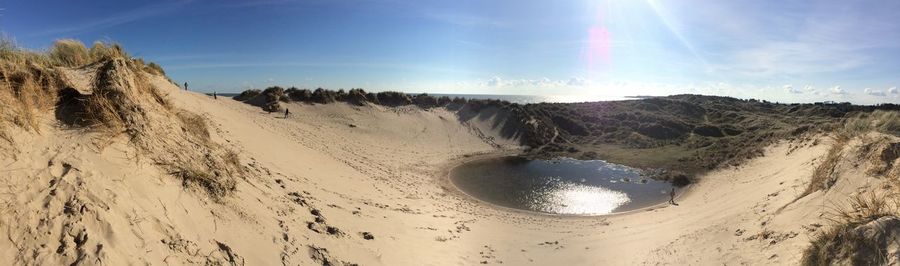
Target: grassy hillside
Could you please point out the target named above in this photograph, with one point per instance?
(680, 135)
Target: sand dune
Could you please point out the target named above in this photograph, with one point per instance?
(367, 185)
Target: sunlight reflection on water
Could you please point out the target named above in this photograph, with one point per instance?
(578, 199)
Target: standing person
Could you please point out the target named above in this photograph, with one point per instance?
(214, 96)
(672, 197)
(287, 112)
(185, 85)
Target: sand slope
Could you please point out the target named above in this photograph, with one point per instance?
(328, 173)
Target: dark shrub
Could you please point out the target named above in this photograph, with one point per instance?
(323, 96)
(303, 95)
(340, 95)
(247, 95)
(393, 98)
(274, 94)
(425, 101)
(443, 101)
(372, 98)
(356, 96)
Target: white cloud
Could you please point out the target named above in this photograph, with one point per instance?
(872, 92)
(837, 90)
(791, 89)
(892, 90)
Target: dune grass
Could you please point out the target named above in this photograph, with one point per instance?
(839, 241)
(29, 81)
(857, 125)
(122, 101)
(69, 53)
(823, 176)
(887, 122)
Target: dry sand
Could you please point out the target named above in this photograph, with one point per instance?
(331, 172)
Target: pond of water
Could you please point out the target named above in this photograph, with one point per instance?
(559, 186)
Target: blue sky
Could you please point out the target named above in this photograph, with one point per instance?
(788, 51)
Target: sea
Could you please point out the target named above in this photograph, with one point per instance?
(523, 99)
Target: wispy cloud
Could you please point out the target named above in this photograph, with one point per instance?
(870, 91)
(762, 39)
(499, 82)
(115, 19)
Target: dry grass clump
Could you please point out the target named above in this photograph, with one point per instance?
(210, 181)
(69, 53)
(194, 124)
(26, 91)
(176, 139)
(63, 53)
(29, 82)
(843, 242)
(73, 53)
(102, 50)
(155, 69)
(111, 104)
(13, 54)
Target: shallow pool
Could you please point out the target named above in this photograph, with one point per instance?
(559, 186)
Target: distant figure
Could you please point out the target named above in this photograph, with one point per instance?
(287, 112)
(214, 96)
(185, 85)
(672, 197)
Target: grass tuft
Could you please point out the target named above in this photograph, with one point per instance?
(69, 53)
(194, 124)
(192, 175)
(841, 241)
